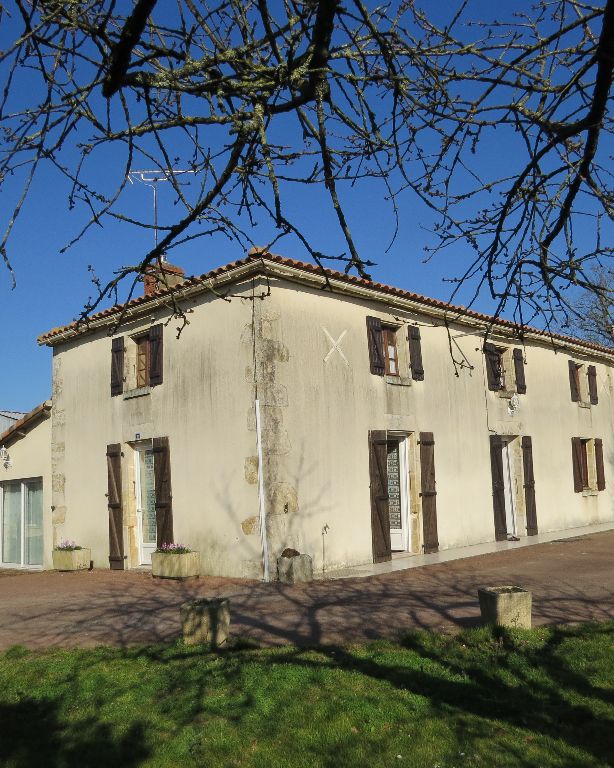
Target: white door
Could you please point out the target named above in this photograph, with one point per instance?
(145, 504)
(398, 494)
(509, 488)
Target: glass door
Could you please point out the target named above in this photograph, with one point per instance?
(22, 522)
(146, 504)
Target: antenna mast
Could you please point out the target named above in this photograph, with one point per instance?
(152, 179)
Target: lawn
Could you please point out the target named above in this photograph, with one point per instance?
(482, 698)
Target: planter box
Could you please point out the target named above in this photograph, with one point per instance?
(292, 570)
(172, 566)
(205, 621)
(506, 606)
(71, 560)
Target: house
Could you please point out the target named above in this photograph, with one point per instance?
(355, 418)
(25, 490)
(8, 418)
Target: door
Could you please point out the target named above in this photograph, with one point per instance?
(145, 504)
(509, 488)
(398, 494)
(22, 522)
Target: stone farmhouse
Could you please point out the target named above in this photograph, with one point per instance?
(341, 417)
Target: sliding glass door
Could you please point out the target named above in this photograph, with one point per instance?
(21, 513)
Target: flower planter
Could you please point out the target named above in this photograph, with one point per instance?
(165, 565)
(205, 621)
(71, 559)
(506, 606)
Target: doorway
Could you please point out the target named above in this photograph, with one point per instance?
(504, 486)
(21, 513)
(397, 470)
(509, 487)
(145, 489)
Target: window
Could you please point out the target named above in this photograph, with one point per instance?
(505, 369)
(138, 362)
(391, 358)
(583, 383)
(21, 516)
(587, 462)
(388, 356)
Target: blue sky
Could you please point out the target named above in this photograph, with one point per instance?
(52, 287)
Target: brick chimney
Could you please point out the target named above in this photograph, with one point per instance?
(161, 276)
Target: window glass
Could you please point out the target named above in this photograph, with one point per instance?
(11, 523)
(148, 496)
(33, 522)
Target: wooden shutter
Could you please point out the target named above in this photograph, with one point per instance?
(529, 486)
(576, 456)
(521, 384)
(599, 464)
(164, 499)
(155, 355)
(573, 381)
(498, 487)
(415, 353)
(114, 500)
(592, 385)
(117, 365)
(428, 492)
(378, 475)
(493, 366)
(375, 342)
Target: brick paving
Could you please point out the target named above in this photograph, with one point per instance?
(571, 580)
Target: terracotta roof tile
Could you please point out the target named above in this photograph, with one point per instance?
(257, 255)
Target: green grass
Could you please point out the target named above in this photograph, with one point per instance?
(481, 698)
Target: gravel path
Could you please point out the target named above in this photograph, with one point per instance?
(571, 580)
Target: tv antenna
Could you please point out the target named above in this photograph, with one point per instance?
(152, 179)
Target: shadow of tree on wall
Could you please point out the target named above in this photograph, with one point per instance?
(34, 733)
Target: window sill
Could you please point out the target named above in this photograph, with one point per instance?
(139, 392)
(589, 492)
(583, 405)
(506, 394)
(398, 381)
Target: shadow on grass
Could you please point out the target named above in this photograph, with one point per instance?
(34, 733)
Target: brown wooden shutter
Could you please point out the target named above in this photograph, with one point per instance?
(576, 457)
(117, 365)
(599, 464)
(415, 353)
(155, 355)
(428, 492)
(529, 486)
(592, 385)
(375, 342)
(498, 487)
(493, 366)
(573, 381)
(114, 500)
(164, 498)
(521, 384)
(378, 475)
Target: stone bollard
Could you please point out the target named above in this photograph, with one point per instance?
(206, 621)
(506, 606)
(294, 569)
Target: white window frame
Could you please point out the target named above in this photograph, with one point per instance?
(22, 511)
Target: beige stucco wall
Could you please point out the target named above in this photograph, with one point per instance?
(332, 404)
(204, 406)
(31, 458)
(317, 410)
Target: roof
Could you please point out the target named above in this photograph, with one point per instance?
(12, 414)
(26, 423)
(261, 262)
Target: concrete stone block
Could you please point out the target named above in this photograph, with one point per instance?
(506, 606)
(292, 570)
(71, 560)
(165, 565)
(205, 621)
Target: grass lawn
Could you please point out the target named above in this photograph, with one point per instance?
(481, 698)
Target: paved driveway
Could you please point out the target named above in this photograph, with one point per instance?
(571, 580)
